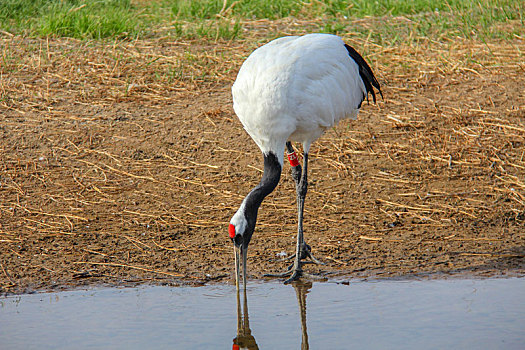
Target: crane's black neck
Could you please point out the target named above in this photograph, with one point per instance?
(252, 202)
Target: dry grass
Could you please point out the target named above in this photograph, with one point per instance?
(117, 158)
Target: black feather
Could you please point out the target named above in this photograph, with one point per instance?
(366, 73)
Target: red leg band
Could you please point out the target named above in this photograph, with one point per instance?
(292, 157)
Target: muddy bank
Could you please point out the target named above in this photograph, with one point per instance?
(111, 174)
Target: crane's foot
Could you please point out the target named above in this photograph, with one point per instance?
(306, 252)
(295, 270)
(298, 274)
(295, 273)
(287, 272)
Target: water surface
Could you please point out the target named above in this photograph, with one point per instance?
(429, 314)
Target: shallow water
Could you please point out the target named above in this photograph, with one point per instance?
(427, 314)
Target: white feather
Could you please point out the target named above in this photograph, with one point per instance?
(294, 88)
(239, 220)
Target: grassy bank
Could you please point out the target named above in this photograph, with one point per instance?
(386, 20)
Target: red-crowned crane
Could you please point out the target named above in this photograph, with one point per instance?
(293, 89)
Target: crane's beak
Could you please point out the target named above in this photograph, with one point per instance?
(240, 253)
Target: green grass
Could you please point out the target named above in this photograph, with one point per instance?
(71, 18)
(94, 19)
(202, 9)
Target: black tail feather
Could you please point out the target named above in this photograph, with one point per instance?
(365, 72)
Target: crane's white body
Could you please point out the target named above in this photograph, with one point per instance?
(294, 88)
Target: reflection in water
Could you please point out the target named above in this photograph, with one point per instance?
(301, 289)
(245, 339)
(409, 314)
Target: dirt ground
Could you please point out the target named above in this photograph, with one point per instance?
(123, 162)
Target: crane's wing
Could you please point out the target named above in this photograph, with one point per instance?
(365, 72)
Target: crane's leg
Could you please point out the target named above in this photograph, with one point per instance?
(301, 184)
(303, 250)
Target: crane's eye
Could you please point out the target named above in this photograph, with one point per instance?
(231, 230)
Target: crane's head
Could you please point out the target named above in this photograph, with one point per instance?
(240, 231)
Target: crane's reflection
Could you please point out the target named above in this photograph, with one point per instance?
(245, 339)
(301, 289)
